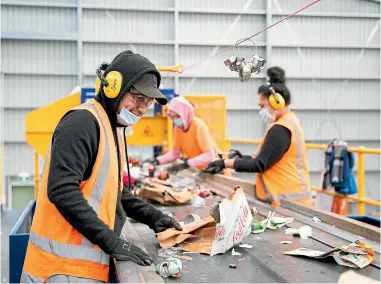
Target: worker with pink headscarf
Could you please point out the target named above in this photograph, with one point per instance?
(191, 136)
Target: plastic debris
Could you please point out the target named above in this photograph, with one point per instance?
(256, 228)
(190, 218)
(286, 242)
(246, 246)
(170, 252)
(185, 257)
(254, 210)
(171, 267)
(303, 232)
(235, 253)
(316, 219)
(241, 259)
(232, 265)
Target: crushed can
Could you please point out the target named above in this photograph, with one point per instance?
(171, 267)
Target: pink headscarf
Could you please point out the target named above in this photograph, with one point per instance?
(183, 108)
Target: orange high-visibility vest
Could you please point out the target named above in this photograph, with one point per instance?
(289, 178)
(195, 141)
(54, 246)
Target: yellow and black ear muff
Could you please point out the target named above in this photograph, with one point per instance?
(276, 100)
(112, 83)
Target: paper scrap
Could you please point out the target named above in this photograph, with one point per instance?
(235, 253)
(316, 219)
(241, 259)
(356, 255)
(185, 257)
(246, 246)
(286, 242)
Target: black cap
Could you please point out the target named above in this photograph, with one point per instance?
(147, 85)
(139, 72)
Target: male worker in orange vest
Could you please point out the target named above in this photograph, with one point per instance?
(82, 205)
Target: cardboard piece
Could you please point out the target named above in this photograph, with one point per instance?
(207, 236)
(163, 194)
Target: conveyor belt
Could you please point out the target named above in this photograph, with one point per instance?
(265, 261)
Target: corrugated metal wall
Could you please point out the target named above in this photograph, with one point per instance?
(331, 54)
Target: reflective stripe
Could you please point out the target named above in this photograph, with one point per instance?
(68, 250)
(28, 278)
(100, 183)
(299, 155)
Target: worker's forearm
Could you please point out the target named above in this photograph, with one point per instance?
(203, 158)
(169, 157)
(139, 210)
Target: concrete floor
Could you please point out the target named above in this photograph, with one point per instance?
(8, 220)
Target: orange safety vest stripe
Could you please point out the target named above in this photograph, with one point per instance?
(55, 247)
(195, 141)
(289, 177)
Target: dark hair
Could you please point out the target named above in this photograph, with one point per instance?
(277, 80)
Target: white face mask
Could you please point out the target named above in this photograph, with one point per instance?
(266, 116)
(127, 117)
(178, 122)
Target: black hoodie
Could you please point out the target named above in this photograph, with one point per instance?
(73, 153)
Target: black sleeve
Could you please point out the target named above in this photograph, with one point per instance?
(73, 153)
(276, 144)
(138, 209)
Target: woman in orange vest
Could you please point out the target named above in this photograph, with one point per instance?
(280, 162)
(82, 204)
(191, 136)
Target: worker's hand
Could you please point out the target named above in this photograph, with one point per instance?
(177, 168)
(129, 252)
(235, 153)
(165, 222)
(155, 162)
(215, 167)
(254, 155)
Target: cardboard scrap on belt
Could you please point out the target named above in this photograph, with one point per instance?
(209, 237)
(356, 255)
(163, 194)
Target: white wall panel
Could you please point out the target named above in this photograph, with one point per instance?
(324, 31)
(223, 4)
(43, 2)
(14, 120)
(34, 91)
(52, 21)
(348, 125)
(197, 27)
(328, 62)
(38, 56)
(127, 25)
(330, 6)
(215, 66)
(18, 158)
(238, 95)
(334, 94)
(130, 3)
(96, 53)
(244, 125)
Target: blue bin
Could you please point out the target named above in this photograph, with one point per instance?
(18, 242)
(368, 220)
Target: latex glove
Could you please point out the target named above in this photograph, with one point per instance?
(165, 222)
(177, 168)
(129, 252)
(215, 167)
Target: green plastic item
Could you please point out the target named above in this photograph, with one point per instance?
(256, 225)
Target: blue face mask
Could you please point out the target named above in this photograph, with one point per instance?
(127, 118)
(266, 115)
(178, 122)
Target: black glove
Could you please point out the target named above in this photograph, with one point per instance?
(155, 162)
(234, 154)
(177, 168)
(129, 252)
(215, 167)
(164, 222)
